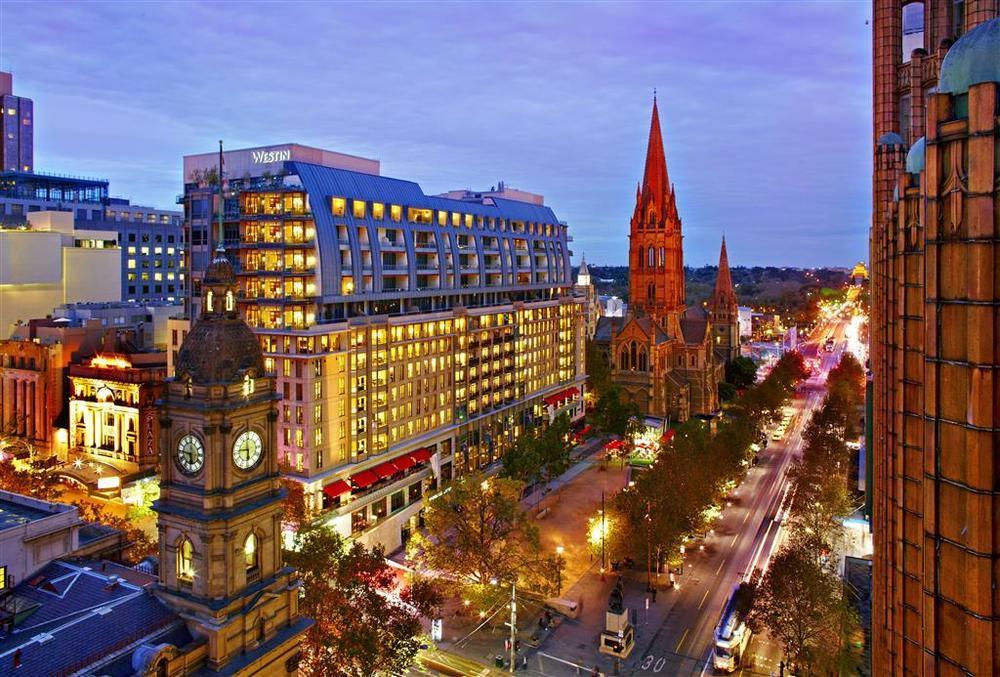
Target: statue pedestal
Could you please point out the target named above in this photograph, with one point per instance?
(618, 638)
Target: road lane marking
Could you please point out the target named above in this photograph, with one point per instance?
(720, 567)
(734, 540)
(683, 637)
(703, 599)
(747, 517)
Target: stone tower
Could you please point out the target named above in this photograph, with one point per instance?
(724, 311)
(656, 258)
(935, 300)
(219, 512)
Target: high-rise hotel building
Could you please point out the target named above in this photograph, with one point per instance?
(414, 337)
(935, 259)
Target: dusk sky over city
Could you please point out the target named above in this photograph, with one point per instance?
(767, 132)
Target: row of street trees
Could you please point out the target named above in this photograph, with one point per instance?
(801, 600)
(540, 454)
(668, 501)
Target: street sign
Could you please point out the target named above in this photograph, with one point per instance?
(437, 629)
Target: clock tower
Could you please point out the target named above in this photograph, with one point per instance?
(219, 512)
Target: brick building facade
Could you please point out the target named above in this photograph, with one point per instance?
(935, 300)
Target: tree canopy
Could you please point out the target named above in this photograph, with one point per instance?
(478, 535)
(367, 622)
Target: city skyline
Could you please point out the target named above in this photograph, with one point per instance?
(593, 81)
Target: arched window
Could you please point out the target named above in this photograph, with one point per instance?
(651, 291)
(632, 358)
(663, 257)
(230, 301)
(643, 365)
(623, 359)
(251, 556)
(209, 297)
(185, 561)
(651, 257)
(913, 29)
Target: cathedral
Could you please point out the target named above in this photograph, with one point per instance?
(667, 357)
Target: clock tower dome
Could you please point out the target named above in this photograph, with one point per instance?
(219, 512)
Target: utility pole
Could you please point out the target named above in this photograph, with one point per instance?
(513, 624)
(604, 564)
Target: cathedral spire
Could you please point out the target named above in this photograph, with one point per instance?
(655, 182)
(724, 295)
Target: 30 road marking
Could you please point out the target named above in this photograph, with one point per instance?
(683, 637)
(703, 599)
(720, 567)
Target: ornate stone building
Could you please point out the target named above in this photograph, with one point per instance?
(219, 513)
(667, 357)
(935, 300)
(592, 309)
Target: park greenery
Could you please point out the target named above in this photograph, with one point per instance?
(801, 600)
(481, 541)
(648, 521)
(540, 454)
(366, 621)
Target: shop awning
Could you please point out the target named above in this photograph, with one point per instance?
(404, 462)
(363, 479)
(421, 455)
(667, 436)
(561, 395)
(585, 430)
(335, 489)
(614, 444)
(387, 469)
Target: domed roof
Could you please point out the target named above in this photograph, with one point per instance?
(915, 158)
(973, 59)
(219, 350)
(890, 139)
(220, 271)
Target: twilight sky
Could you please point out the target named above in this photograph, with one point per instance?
(765, 105)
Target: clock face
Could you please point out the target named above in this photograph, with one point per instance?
(190, 454)
(247, 450)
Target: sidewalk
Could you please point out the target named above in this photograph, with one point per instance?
(568, 503)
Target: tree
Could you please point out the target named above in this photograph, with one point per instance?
(35, 478)
(478, 535)
(294, 512)
(801, 603)
(727, 391)
(540, 453)
(612, 414)
(741, 372)
(137, 543)
(598, 369)
(361, 626)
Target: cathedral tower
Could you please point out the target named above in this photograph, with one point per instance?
(656, 258)
(219, 512)
(724, 310)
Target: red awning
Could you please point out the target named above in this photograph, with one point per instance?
(336, 489)
(667, 436)
(387, 469)
(421, 455)
(561, 395)
(614, 444)
(586, 429)
(363, 479)
(404, 462)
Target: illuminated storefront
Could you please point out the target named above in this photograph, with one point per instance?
(113, 425)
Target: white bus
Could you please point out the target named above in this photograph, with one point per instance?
(732, 635)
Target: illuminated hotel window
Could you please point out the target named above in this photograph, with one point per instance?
(396, 213)
(158, 277)
(378, 210)
(456, 219)
(468, 220)
(442, 218)
(359, 209)
(131, 264)
(338, 204)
